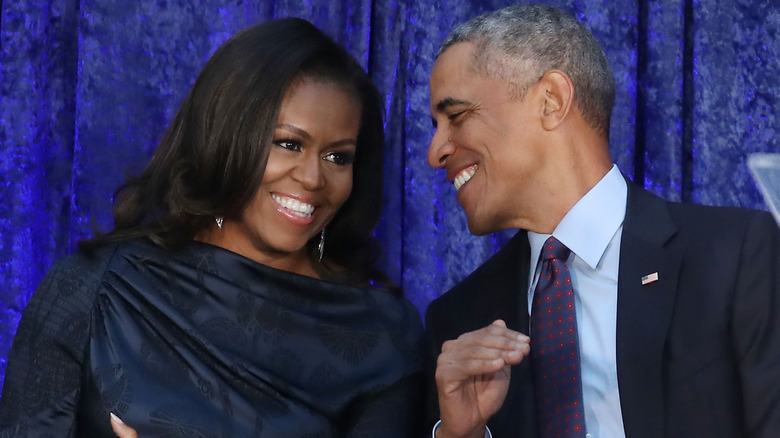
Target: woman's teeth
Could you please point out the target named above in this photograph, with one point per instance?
(464, 176)
(296, 207)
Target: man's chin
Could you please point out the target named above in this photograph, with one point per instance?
(478, 228)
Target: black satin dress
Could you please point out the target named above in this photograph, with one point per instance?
(203, 342)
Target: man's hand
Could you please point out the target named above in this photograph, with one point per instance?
(472, 377)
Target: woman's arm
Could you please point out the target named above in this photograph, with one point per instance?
(393, 412)
(43, 378)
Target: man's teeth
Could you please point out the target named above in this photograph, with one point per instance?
(464, 176)
(296, 207)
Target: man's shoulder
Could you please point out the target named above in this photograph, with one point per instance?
(645, 207)
(696, 232)
(712, 213)
(712, 220)
(504, 268)
(724, 227)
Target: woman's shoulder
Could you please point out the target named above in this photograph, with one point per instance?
(87, 262)
(83, 266)
(399, 316)
(393, 304)
(73, 279)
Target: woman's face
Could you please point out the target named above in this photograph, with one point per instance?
(307, 179)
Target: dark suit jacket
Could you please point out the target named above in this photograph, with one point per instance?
(698, 351)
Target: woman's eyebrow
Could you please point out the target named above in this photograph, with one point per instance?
(302, 132)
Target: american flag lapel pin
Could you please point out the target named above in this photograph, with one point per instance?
(647, 279)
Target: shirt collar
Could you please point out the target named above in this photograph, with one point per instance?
(589, 226)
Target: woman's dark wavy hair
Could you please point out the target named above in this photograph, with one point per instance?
(212, 157)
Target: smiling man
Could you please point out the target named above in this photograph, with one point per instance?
(612, 313)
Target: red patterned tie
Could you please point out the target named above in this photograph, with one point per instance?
(555, 353)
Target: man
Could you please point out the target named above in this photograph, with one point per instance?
(673, 328)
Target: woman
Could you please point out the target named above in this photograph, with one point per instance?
(237, 294)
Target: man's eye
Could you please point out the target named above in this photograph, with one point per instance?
(289, 144)
(340, 158)
(454, 117)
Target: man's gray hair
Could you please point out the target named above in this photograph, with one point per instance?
(521, 43)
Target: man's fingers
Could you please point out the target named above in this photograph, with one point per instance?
(457, 364)
(456, 352)
(461, 369)
(499, 322)
(485, 347)
(493, 337)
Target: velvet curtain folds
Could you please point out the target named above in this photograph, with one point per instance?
(88, 86)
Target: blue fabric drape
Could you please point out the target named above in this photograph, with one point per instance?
(88, 86)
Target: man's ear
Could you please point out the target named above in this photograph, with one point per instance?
(558, 98)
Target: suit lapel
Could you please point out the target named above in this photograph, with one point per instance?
(504, 282)
(507, 282)
(644, 311)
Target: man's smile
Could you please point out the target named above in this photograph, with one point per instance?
(464, 176)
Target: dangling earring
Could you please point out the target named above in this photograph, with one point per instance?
(321, 246)
(219, 220)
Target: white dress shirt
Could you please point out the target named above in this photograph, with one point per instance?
(592, 231)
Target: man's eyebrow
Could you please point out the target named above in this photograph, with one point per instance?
(448, 102)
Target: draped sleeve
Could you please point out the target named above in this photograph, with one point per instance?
(396, 410)
(393, 412)
(43, 378)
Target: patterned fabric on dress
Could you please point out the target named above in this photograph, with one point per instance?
(203, 342)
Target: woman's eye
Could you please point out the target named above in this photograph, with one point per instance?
(289, 144)
(340, 158)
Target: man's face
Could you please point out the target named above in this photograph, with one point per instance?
(489, 143)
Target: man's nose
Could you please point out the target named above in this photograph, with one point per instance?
(441, 147)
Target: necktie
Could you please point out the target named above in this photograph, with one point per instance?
(555, 354)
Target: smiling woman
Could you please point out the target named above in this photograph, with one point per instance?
(307, 178)
(214, 307)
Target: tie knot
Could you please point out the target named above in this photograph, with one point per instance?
(554, 249)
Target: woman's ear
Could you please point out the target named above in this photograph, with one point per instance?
(558, 99)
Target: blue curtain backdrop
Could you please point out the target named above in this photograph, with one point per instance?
(87, 87)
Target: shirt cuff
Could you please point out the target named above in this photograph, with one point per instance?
(436, 426)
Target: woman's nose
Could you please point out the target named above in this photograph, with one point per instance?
(309, 173)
